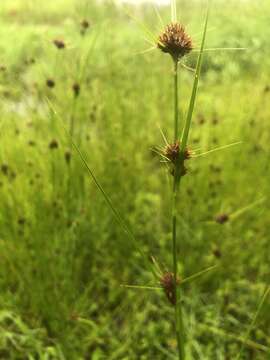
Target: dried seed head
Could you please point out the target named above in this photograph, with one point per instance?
(53, 144)
(168, 284)
(175, 41)
(60, 44)
(76, 89)
(4, 169)
(67, 156)
(177, 160)
(85, 24)
(201, 119)
(50, 83)
(31, 143)
(217, 253)
(222, 218)
(21, 221)
(172, 151)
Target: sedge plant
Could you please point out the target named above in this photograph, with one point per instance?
(177, 43)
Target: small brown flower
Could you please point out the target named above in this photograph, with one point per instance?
(85, 24)
(217, 253)
(76, 89)
(168, 283)
(215, 121)
(222, 218)
(175, 41)
(172, 151)
(50, 83)
(177, 160)
(53, 144)
(67, 156)
(201, 119)
(60, 44)
(21, 221)
(31, 143)
(5, 169)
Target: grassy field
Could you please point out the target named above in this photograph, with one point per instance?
(63, 255)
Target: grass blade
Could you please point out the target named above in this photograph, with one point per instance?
(198, 274)
(195, 87)
(107, 199)
(253, 322)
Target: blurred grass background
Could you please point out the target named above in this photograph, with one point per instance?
(62, 255)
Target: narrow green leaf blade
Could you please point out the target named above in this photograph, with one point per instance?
(185, 134)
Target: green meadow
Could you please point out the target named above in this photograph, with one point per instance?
(86, 98)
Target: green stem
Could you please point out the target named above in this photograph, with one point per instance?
(176, 105)
(179, 326)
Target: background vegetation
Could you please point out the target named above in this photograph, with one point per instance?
(63, 256)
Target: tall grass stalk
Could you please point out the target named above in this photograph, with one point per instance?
(176, 181)
(179, 323)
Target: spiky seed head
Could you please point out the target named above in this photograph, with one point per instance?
(60, 44)
(53, 144)
(168, 283)
(222, 218)
(217, 253)
(172, 151)
(68, 156)
(5, 169)
(76, 89)
(175, 41)
(85, 24)
(50, 83)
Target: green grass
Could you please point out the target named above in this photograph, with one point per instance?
(63, 255)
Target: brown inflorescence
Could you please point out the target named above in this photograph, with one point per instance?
(68, 156)
(217, 253)
(85, 24)
(60, 44)
(53, 144)
(50, 83)
(167, 282)
(222, 218)
(76, 89)
(5, 169)
(175, 41)
(173, 154)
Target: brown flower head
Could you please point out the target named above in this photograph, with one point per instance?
(168, 284)
(68, 156)
(50, 83)
(222, 218)
(172, 151)
(175, 41)
(60, 44)
(76, 89)
(53, 144)
(85, 24)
